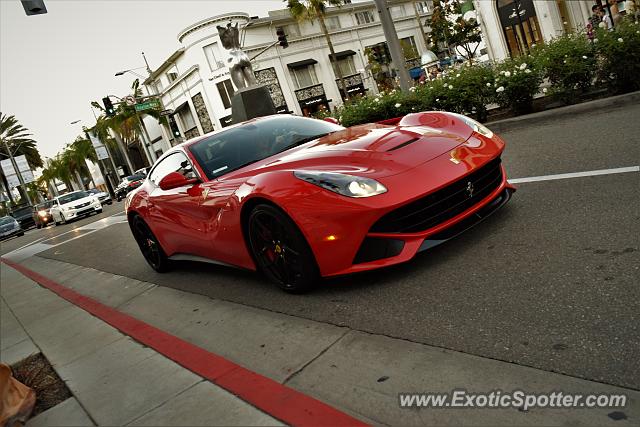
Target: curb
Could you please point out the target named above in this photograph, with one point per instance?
(500, 126)
(271, 397)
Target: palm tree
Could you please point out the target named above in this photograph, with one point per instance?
(77, 153)
(15, 137)
(315, 9)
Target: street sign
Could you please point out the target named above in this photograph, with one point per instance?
(130, 100)
(102, 152)
(166, 112)
(152, 104)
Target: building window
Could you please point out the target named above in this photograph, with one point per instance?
(304, 76)
(225, 89)
(520, 25)
(397, 11)
(291, 30)
(409, 47)
(332, 22)
(186, 117)
(213, 56)
(346, 65)
(157, 86)
(172, 77)
(422, 6)
(366, 17)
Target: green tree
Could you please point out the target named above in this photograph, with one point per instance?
(18, 140)
(311, 10)
(449, 27)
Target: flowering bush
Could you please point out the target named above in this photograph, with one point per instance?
(619, 52)
(386, 105)
(517, 81)
(569, 63)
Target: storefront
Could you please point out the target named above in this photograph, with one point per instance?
(312, 100)
(354, 84)
(519, 24)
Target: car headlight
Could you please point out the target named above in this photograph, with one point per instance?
(347, 185)
(476, 126)
(66, 208)
(42, 213)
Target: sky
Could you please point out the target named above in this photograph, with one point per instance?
(53, 65)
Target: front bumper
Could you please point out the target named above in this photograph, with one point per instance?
(44, 220)
(341, 231)
(87, 210)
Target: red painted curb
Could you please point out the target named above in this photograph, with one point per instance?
(277, 400)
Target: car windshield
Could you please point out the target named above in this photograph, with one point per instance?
(248, 143)
(93, 191)
(22, 211)
(45, 205)
(72, 196)
(6, 220)
(131, 178)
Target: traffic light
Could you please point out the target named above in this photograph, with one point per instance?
(282, 38)
(108, 107)
(174, 127)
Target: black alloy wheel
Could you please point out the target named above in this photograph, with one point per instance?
(280, 250)
(149, 245)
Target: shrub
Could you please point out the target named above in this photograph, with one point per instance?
(517, 81)
(569, 63)
(619, 52)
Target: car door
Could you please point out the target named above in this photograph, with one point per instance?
(177, 216)
(55, 210)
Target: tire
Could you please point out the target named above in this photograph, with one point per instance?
(62, 219)
(149, 245)
(99, 212)
(21, 234)
(280, 251)
(38, 226)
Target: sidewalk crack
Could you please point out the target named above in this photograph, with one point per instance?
(313, 359)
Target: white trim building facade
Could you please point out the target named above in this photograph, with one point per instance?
(195, 83)
(511, 27)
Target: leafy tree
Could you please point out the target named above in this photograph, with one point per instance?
(16, 137)
(449, 27)
(315, 9)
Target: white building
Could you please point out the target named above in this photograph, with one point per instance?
(195, 83)
(511, 27)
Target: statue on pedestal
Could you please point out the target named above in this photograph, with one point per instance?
(238, 61)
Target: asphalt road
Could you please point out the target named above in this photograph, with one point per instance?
(550, 281)
(35, 235)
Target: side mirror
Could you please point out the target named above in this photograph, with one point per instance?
(175, 180)
(331, 120)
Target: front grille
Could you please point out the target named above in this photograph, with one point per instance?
(444, 204)
(82, 205)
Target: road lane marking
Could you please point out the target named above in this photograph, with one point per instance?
(29, 244)
(275, 399)
(575, 175)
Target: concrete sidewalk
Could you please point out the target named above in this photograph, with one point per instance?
(355, 372)
(114, 380)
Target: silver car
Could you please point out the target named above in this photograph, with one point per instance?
(9, 227)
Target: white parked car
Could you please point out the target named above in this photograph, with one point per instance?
(73, 205)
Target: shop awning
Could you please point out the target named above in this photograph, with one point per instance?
(343, 54)
(303, 63)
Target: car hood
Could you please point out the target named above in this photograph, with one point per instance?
(88, 199)
(369, 150)
(7, 227)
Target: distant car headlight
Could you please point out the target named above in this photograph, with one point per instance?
(476, 126)
(347, 185)
(42, 213)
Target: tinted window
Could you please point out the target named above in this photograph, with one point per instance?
(22, 211)
(45, 205)
(176, 162)
(72, 196)
(230, 150)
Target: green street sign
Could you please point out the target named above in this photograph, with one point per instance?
(152, 104)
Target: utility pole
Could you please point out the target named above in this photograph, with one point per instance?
(424, 35)
(15, 168)
(394, 44)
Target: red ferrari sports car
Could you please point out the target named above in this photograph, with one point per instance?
(300, 198)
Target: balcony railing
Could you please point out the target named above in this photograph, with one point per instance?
(309, 92)
(351, 81)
